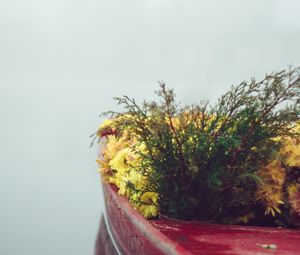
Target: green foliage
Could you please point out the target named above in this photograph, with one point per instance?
(206, 157)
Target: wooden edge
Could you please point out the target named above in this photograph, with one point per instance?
(154, 236)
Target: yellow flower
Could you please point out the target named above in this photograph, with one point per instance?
(270, 193)
(119, 167)
(137, 179)
(111, 179)
(103, 166)
(246, 218)
(135, 197)
(113, 146)
(119, 162)
(292, 189)
(106, 123)
(106, 128)
(290, 150)
(122, 184)
(148, 211)
(271, 197)
(149, 207)
(273, 173)
(149, 197)
(174, 121)
(291, 153)
(294, 198)
(142, 148)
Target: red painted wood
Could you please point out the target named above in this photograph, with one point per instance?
(211, 239)
(135, 235)
(104, 244)
(132, 232)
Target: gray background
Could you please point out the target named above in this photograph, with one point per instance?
(62, 61)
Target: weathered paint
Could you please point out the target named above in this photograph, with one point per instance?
(211, 239)
(132, 233)
(104, 243)
(135, 235)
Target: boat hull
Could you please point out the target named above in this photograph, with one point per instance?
(125, 231)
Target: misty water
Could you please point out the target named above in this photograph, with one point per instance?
(62, 61)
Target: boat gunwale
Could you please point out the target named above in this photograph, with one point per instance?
(158, 239)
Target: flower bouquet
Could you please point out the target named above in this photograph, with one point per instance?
(199, 171)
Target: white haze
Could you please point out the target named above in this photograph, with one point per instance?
(62, 61)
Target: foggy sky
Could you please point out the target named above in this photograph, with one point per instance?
(62, 61)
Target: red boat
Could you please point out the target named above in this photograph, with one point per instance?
(124, 231)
